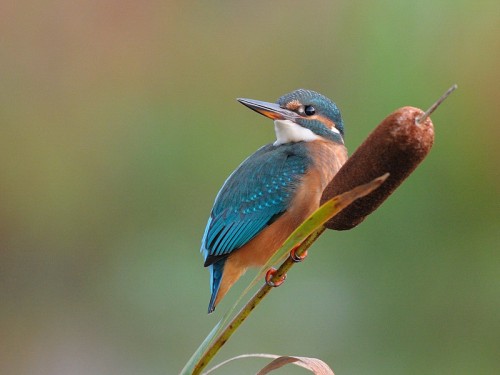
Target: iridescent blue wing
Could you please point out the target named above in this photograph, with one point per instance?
(255, 194)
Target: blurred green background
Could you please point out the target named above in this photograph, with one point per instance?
(119, 124)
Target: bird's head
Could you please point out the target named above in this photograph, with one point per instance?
(302, 115)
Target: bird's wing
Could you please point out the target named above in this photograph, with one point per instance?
(255, 194)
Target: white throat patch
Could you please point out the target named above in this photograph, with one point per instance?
(287, 131)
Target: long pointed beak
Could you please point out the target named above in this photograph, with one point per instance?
(270, 110)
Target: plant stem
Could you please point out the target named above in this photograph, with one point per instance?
(253, 302)
(305, 235)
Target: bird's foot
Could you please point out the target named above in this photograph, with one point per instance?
(270, 274)
(297, 258)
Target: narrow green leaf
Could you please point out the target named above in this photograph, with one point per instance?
(319, 217)
(197, 355)
(314, 223)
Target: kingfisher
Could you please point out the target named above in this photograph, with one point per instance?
(275, 189)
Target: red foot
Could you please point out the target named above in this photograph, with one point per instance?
(295, 257)
(269, 276)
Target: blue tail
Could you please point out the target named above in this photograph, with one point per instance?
(216, 271)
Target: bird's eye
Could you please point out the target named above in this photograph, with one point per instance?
(309, 110)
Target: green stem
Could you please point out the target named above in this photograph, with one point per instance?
(304, 235)
(253, 302)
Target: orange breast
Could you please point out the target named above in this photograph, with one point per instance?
(328, 157)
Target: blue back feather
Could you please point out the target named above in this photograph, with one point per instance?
(263, 186)
(253, 196)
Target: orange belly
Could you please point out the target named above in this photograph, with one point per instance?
(328, 158)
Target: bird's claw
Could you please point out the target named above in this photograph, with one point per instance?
(270, 274)
(297, 258)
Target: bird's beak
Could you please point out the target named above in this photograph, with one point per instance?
(270, 110)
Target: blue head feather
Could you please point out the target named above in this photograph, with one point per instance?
(261, 189)
(323, 107)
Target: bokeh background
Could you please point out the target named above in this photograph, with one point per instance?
(119, 124)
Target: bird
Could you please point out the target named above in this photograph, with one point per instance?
(275, 189)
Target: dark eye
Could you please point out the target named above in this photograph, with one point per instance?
(309, 110)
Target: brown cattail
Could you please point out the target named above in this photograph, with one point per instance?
(396, 146)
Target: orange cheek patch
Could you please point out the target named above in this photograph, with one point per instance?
(324, 120)
(293, 105)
